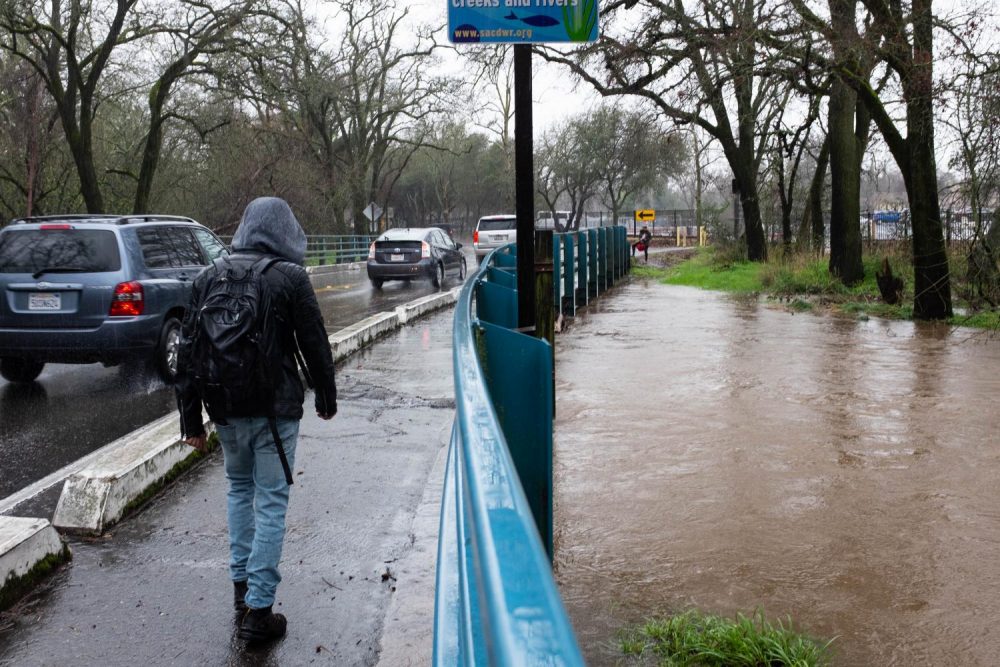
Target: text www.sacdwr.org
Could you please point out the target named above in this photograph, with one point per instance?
(474, 34)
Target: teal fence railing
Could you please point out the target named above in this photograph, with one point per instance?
(496, 599)
(332, 249)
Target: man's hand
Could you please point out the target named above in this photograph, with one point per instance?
(199, 442)
(326, 417)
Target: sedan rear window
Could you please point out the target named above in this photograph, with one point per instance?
(497, 224)
(59, 251)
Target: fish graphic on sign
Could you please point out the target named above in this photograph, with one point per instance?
(537, 21)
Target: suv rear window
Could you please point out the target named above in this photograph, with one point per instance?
(59, 250)
(497, 224)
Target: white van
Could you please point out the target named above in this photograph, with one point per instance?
(493, 231)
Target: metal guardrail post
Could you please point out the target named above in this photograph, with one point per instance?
(623, 251)
(583, 271)
(609, 258)
(602, 261)
(544, 286)
(592, 262)
(568, 306)
(557, 266)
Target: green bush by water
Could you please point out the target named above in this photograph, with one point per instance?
(693, 639)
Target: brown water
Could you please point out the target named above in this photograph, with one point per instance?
(729, 456)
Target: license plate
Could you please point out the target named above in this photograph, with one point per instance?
(44, 301)
(499, 237)
(395, 258)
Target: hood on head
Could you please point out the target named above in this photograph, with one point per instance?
(269, 226)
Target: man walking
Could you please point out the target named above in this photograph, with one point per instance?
(257, 419)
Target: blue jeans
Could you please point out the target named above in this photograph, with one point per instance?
(257, 501)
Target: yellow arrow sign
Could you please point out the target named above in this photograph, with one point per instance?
(645, 215)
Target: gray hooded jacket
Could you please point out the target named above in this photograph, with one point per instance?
(268, 228)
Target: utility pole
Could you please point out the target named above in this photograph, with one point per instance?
(524, 188)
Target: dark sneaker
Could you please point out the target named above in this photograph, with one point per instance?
(240, 597)
(261, 625)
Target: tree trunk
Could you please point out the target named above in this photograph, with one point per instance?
(150, 160)
(83, 157)
(845, 171)
(816, 198)
(931, 286)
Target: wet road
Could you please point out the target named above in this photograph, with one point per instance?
(74, 409)
(725, 456)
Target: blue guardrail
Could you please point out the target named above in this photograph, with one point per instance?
(496, 599)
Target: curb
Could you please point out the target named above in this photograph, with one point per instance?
(29, 548)
(101, 494)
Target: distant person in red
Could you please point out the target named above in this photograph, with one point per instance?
(642, 245)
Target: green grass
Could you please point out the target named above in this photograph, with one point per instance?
(805, 280)
(703, 271)
(693, 639)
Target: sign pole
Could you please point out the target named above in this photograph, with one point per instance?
(524, 187)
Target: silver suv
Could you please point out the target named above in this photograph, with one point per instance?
(493, 231)
(77, 289)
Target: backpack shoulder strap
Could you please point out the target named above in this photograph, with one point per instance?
(265, 263)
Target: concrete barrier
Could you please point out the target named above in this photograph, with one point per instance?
(100, 494)
(29, 548)
(350, 339)
(125, 472)
(422, 306)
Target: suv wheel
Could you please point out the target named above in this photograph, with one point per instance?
(377, 283)
(438, 279)
(167, 349)
(20, 370)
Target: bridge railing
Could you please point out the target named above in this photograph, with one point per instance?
(323, 249)
(496, 599)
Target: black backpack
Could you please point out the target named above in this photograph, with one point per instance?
(236, 350)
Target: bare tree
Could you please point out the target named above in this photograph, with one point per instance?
(708, 64)
(494, 93)
(75, 46)
(634, 153)
(361, 106)
(906, 45)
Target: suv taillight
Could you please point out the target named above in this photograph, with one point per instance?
(127, 299)
(475, 237)
(425, 250)
(371, 251)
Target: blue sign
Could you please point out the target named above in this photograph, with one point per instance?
(522, 21)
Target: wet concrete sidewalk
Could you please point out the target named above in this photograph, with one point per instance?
(359, 552)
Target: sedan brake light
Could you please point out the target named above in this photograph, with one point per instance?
(127, 300)
(371, 251)
(425, 249)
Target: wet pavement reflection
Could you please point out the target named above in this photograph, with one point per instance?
(725, 455)
(71, 410)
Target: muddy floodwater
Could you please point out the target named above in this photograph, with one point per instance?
(726, 455)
